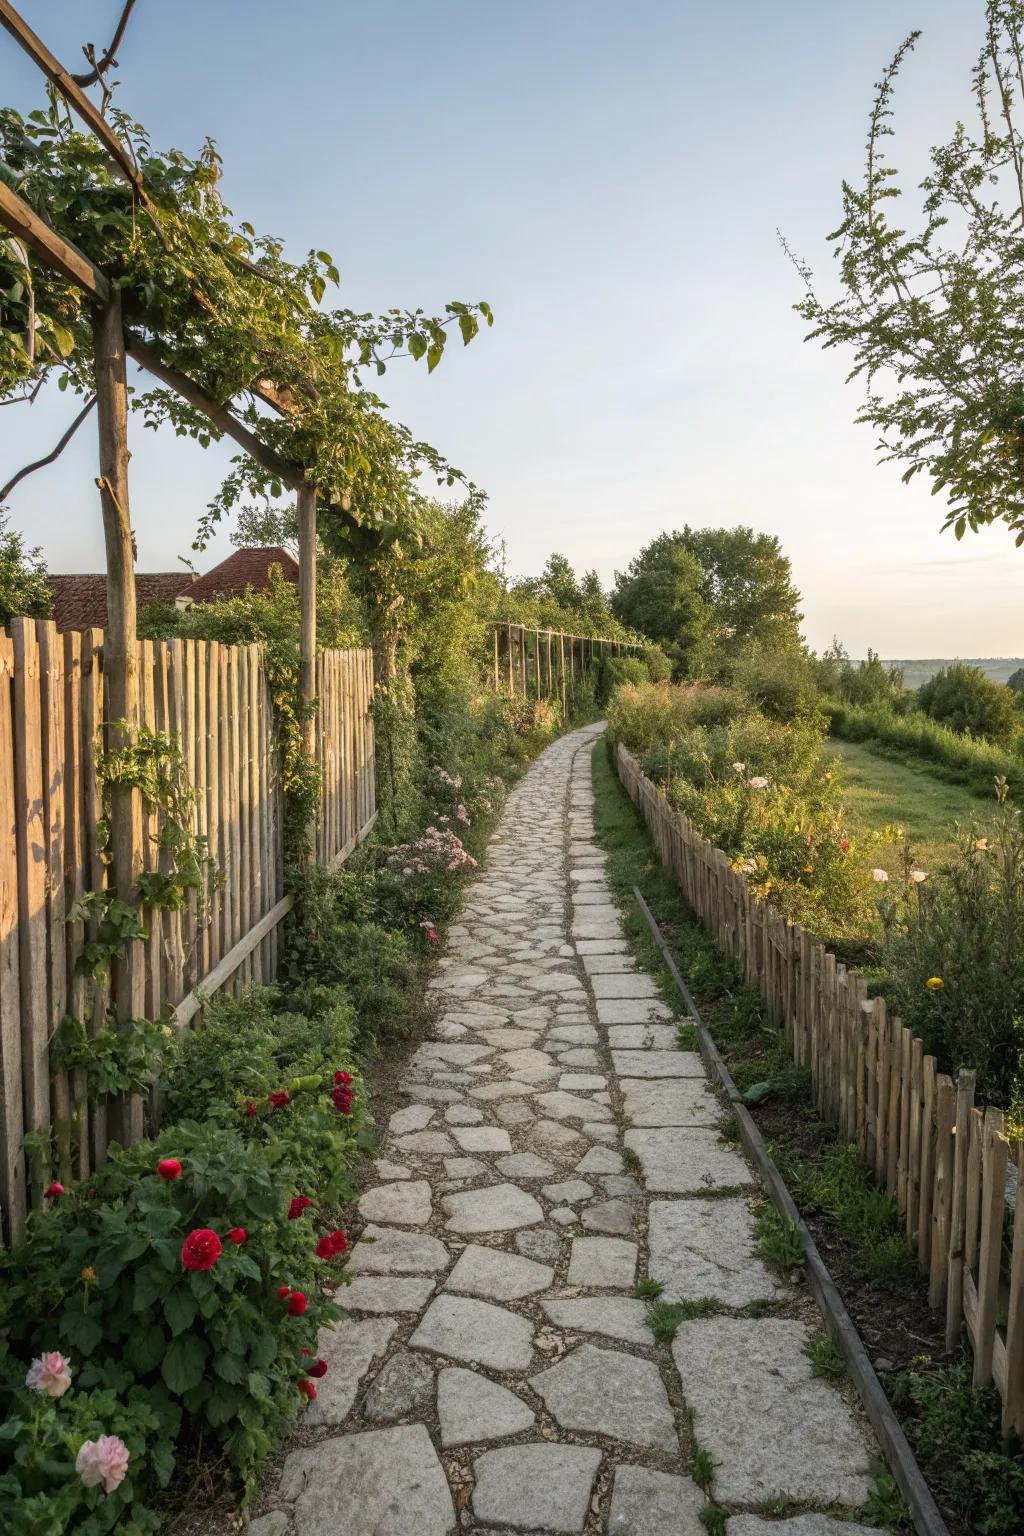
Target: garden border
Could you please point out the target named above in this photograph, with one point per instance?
(925, 1512)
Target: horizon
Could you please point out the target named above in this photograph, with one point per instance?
(612, 183)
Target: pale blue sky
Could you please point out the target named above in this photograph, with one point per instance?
(610, 175)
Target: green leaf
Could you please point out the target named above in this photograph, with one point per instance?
(82, 1330)
(180, 1309)
(757, 1093)
(146, 1348)
(183, 1364)
(468, 325)
(434, 352)
(417, 346)
(229, 1367)
(263, 1350)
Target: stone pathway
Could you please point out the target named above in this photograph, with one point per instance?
(497, 1371)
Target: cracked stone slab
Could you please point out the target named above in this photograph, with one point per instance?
(605, 1392)
(483, 1138)
(403, 1386)
(707, 1248)
(773, 1428)
(497, 1275)
(634, 1064)
(649, 1503)
(569, 1106)
(678, 1161)
(386, 1293)
(616, 1317)
(602, 1263)
(415, 1118)
(623, 984)
(612, 1010)
(470, 1409)
(477, 1332)
(536, 1487)
(670, 1101)
(642, 1037)
(525, 1165)
(407, 1205)
(386, 1251)
(349, 1348)
(386, 1481)
(497, 1208)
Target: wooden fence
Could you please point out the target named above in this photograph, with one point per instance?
(547, 664)
(942, 1159)
(215, 700)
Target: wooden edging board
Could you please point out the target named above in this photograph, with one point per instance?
(924, 1511)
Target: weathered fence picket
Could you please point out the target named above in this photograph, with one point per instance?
(941, 1159)
(215, 701)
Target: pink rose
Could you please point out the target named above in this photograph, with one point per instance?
(50, 1375)
(103, 1461)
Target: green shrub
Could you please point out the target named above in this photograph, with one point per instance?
(965, 700)
(757, 788)
(172, 1285)
(954, 957)
(780, 682)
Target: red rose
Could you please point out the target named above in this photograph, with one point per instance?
(342, 1098)
(299, 1204)
(306, 1352)
(53, 1191)
(250, 1108)
(201, 1249)
(339, 1241)
(343, 1077)
(325, 1248)
(279, 1100)
(169, 1169)
(307, 1388)
(238, 1236)
(319, 1369)
(283, 1291)
(297, 1304)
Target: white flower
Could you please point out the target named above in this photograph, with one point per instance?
(758, 782)
(739, 767)
(880, 875)
(49, 1375)
(917, 876)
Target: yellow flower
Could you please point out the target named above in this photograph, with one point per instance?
(981, 845)
(808, 869)
(935, 983)
(89, 1274)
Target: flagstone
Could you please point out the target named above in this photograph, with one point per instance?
(472, 1409)
(680, 1161)
(475, 1331)
(606, 1392)
(497, 1275)
(535, 1487)
(386, 1480)
(495, 1208)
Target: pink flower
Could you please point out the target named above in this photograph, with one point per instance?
(53, 1191)
(49, 1375)
(880, 876)
(103, 1461)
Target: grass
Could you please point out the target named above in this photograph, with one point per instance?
(825, 1357)
(664, 1317)
(881, 791)
(778, 1241)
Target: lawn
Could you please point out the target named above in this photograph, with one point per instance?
(879, 791)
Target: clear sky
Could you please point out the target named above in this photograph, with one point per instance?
(610, 175)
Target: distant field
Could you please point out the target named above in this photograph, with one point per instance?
(999, 668)
(878, 792)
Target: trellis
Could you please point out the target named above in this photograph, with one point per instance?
(122, 707)
(536, 663)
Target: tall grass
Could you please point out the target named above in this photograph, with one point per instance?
(946, 754)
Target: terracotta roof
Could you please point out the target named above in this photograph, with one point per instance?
(244, 569)
(80, 602)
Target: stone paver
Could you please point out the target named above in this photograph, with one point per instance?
(773, 1429)
(552, 1145)
(536, 1487)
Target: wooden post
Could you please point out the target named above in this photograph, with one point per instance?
(511, 672)
(306, 500)
(1013, 1395)
(958, 1220)
(496, 679)
(522, 662)
(994, 1156)
(120, 664)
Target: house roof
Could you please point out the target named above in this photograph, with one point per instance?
(80, 601)
(244, 569)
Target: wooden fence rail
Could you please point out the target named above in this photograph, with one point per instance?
(545, 663)
(54, 718)
(940, 1157)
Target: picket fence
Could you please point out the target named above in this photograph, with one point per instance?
(940, 1157)
(215, 700)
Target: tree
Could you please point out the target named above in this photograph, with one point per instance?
(933, 315)
(747, 585)
(705, 594)
(1016, 682)
(661, 595)
(24, 590)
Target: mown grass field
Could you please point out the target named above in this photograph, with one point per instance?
(878, 792)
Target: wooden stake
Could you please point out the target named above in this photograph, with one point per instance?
(307, 613)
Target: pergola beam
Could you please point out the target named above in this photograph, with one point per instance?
(26, 225)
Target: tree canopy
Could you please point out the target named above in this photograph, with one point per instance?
(704, 594)
(24, 590)
(933, 312)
